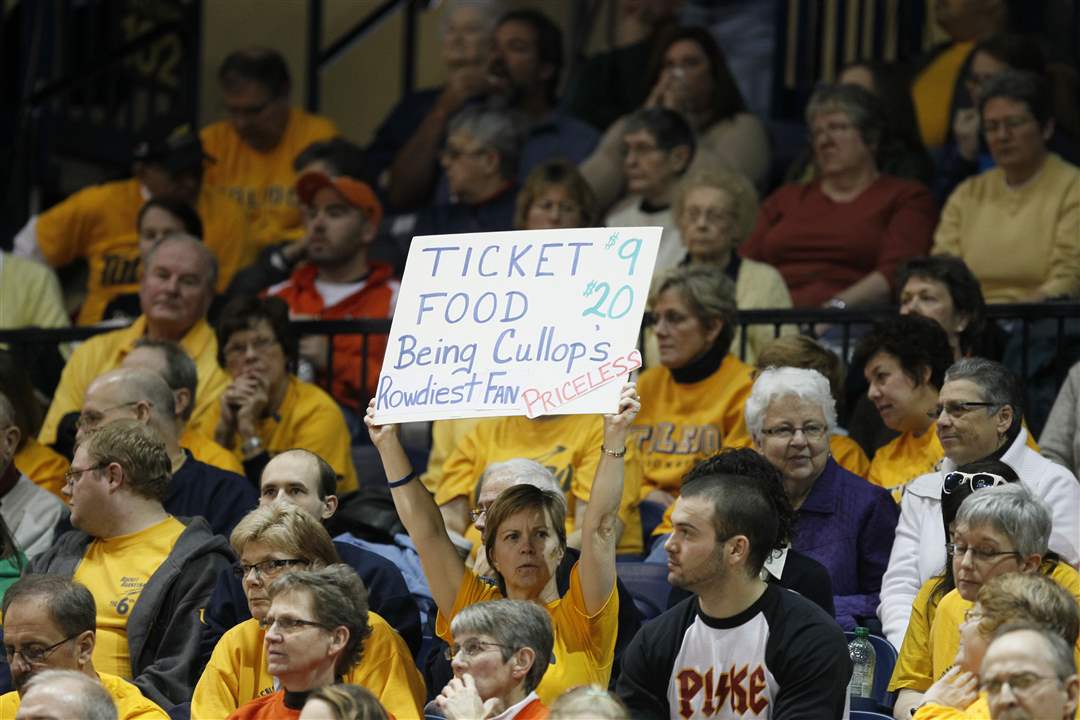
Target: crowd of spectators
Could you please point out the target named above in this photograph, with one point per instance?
(204, 520)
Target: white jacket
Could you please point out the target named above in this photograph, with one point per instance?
(918, 553)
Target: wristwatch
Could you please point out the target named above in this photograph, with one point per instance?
(252, 445)
(836, 303)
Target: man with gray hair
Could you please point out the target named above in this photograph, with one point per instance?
(50, 623)
(177, 369)
(1038, 668)
(31, 513)
(222, 498)
(177, 286)
(151, 574)
(480, 159)
(65, 694)
(979, 415)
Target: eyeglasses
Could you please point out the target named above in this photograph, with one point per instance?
(565, 207)
(33, 655)
(976, 481)
(990, 127)
(651, 319)
(266, 568)
(711, 216)
(288, 625)
(472, 648)
(73, 475)
(640, 149)
(249, 111)
(810, 431)
(979, 555)
(450, 154)
(830, 129)
(257, 346)
(958, 408)
(1018, 682)
(89, 419)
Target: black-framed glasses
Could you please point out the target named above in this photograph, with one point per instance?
(472, 647)
(289, 625)
(89, 419)
(978, 554)
(266, 568)
(451, 154)
(34, 655)
(958, 408)
(976, 481)
(811, 431)
(1010, 123)
(1019, 682)
(257, 345)
(75, 473)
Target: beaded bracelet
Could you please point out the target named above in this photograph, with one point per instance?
(403, 481)
(613, 453)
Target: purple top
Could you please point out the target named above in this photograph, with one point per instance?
(847, 524)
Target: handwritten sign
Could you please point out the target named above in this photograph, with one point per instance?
(516, 323)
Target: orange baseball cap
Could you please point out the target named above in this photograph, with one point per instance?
(356, 192)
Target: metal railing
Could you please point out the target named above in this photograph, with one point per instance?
(1051, 318)
(320, 58)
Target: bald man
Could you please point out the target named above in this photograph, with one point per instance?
(30, 512)
(65, 694)
(197, 488)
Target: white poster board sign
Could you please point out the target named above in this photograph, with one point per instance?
(531, 322)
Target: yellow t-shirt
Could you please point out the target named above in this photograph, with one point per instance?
(584, 644)
(106, 351)
(308, 418)
(903, 459)
(116, 570)
(98, 224)
(567, 445)
(445, 436)
(43, 465)
(978, 710)
(131, 704)
(264, 183)
(236, 673)
(680, 424)
(934, 644)
(205, 450)
(932, 93)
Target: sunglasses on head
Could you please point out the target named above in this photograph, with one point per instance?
(976, 481)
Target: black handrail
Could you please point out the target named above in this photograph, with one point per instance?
(318, 58)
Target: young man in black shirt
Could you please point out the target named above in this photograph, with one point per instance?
(740, 647)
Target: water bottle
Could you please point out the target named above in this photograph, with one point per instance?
(864, 660)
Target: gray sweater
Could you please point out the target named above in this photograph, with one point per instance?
(1060, 439)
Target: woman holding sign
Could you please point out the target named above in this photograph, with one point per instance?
(524, 539)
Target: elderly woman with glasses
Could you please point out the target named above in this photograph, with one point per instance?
(272, 542)
(500, 653)
(997, 530)
(838, 240)
(266, 409)
(842, 521)
(1017, 225)
(978, 417)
